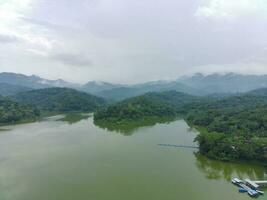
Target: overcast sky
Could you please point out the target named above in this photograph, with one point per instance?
(129, 41)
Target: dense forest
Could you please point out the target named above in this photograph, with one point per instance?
(153, 104)
(13, 112)
(232, 128)
(59, 100)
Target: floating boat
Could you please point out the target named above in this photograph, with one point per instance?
(253, 193)
(252, 184)
(236, 181)
(242, 190)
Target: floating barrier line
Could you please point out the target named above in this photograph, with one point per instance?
(178, 146)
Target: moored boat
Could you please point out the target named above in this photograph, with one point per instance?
(253, 193)
(242, 190)
(236, 181)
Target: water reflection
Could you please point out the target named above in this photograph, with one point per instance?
(221, 170)
(4, 129)
(72, 118)
(130, 128)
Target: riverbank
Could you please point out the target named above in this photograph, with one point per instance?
(212, 145)
(69, 116)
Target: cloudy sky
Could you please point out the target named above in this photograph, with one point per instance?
(129, 41)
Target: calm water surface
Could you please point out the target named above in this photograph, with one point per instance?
(76, 160)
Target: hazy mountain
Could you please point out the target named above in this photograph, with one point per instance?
(59, 83)
(95, 87)
(258, 92)
(198, 84)
(121, 93)
(219, 85)
(33, 81)
(9, 89)
(225, 83)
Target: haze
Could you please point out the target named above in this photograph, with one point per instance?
(130, 41)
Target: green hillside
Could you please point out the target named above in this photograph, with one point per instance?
(162, 104)
(232, 128)
(60, 100)
(13, 112)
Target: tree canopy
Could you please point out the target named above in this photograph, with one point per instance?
(60, 100)
(13, 112)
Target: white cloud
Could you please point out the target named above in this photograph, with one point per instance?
(129, 40)
(231, 9)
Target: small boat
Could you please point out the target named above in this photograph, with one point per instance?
(260, 192)
(236, 181)
(242, 190)
(233, 181)
(253, 193)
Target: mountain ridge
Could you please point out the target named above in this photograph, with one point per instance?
(197, 84)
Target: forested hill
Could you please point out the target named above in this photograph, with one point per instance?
(153, 104)
(234, 127)
(60, 100)
(13, 112)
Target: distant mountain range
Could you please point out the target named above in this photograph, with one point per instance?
(125, 92)
(33, 81)
(225, 83)
(95, 87)
(198, 84)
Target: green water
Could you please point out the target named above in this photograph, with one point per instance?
(76, 160)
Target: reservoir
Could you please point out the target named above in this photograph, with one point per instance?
(74, 159)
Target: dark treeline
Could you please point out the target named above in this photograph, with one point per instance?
(59, 100)
(13, 112)
(162, 104)
(30, 105)
(232, 128)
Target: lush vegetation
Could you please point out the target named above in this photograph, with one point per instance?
(60, 100)
(163, 104)
(232, 128)
(13, 112)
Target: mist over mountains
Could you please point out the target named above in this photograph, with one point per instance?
(198, 84)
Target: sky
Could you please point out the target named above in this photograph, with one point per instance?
(132, 41)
